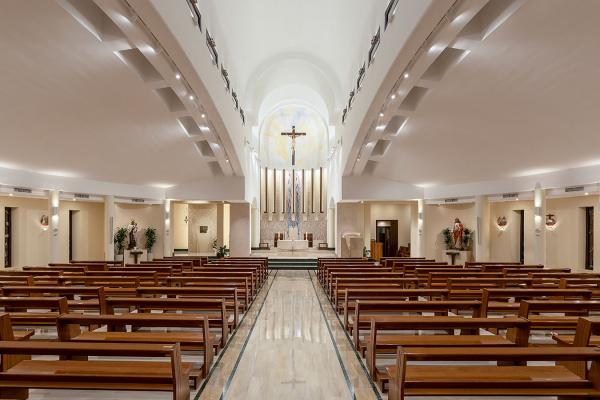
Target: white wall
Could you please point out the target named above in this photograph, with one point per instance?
(239, 234)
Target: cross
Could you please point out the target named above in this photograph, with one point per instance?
(293, 134)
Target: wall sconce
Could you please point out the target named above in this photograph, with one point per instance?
(44, 222)
(551, 222)
(502, 223)
(186, 219)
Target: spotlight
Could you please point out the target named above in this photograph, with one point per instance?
(393, 97)
(381, 115)
(178, 76)
(203, 115)
(191, 97)
(406, 75)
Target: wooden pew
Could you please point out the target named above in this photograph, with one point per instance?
(34, 311)
(328, 271)
(195, 337)
(571, 310)
(341, 284)
(88, 298)
(241, 284)
(252, 277)
(135, 375)
(214, 309)
(349, 275)
(407, 379)
(507, 300)
(228, 293)
(352, 295)
(364, 310)
(380, 343)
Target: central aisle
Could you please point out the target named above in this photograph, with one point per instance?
(290, 354)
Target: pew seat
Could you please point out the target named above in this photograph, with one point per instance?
(408, 379)
(17, 377)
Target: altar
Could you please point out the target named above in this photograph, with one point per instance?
(292, 245)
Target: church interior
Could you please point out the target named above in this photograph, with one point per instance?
(276, 199)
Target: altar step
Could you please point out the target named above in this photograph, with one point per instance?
(292, 263)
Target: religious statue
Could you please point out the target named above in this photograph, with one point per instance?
(293, 135)
(132, 229)
(457, 234)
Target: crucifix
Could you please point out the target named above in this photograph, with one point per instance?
(293, 134)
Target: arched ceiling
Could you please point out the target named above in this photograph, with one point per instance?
(269, 44)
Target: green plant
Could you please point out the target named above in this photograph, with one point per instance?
(222, 251)
(467, 236)
(150, 235)
(119, 239)
(447, 234)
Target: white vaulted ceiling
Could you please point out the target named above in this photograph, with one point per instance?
(69, 106)
(523, 101)
(273, 44)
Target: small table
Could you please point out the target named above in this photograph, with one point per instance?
(453, 254)
(136, 255)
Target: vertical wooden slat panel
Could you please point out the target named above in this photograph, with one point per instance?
(312, 190)
(303, 190)
(274, 190)
(283, 190)
(321, 189)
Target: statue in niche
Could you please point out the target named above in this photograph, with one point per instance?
(457, 234)
(133, 229)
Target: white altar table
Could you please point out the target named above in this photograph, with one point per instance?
(292, 245)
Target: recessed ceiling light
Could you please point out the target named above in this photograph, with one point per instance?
(587, 194)
(227, 160)
(381, 115)
(204, 128)
(393, 97)
(203, 115)
(191, 97)
(406, 75)
(380, 127)
(178, 76)
(358, 159)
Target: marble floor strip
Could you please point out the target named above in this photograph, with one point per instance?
(290, 353)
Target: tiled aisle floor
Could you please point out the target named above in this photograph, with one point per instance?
(290, 354)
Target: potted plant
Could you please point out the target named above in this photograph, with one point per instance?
(467, 237)
(119, 241)
(221, 251)
(150, 235)
(447, 234)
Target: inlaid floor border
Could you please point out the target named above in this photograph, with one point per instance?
(224, 349)
(335, 345)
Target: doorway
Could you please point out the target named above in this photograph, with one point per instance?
(7, 237)
(589, 238)
(387, 234)
(521, 214)
(73, 232)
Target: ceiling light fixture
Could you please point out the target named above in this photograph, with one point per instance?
(227, 160)
(393, 97)
(587, 194)
(191, 97)
(380, 127)
(406, 75)
(178, 76)
(381, 115)
(203, 115)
